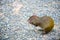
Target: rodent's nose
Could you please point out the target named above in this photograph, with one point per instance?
(29, 20)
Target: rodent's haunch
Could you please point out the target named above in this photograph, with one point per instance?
(45, 22)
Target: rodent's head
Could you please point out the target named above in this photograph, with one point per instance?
(34, 20)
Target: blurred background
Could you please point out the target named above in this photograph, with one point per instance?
(15, 13)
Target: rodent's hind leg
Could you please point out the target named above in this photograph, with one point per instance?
(43, 32)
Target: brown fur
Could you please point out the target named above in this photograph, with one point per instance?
(45, 22)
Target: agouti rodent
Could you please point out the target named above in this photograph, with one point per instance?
(45, 22)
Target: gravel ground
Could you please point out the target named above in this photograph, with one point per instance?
(15, 13)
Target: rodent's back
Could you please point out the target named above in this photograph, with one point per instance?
(47, 23)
